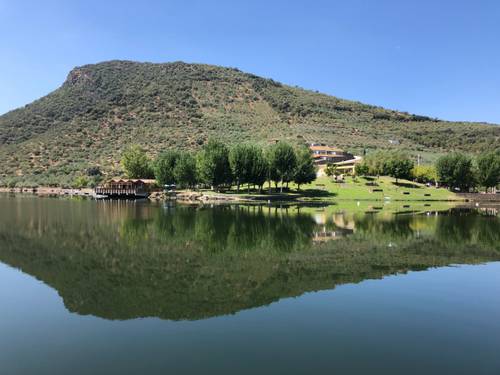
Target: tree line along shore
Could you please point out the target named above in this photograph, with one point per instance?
(248, 167)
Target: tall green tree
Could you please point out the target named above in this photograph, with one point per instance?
(185, 170)
(213, 164)
(164, 167)
(305, 171)
(375, 164)
(386, 163)
(240, 162)
(255, 166)
(488, 169)
(399, 165)
(81, 182)
(282, 162)
(425, 173)
(361, 169)
(260, 169)
(456, 170)
(136, 163)
(331, 170)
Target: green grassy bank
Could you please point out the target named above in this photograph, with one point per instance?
(325, 189)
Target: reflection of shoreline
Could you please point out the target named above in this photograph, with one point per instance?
(487, 208)
(128, 260)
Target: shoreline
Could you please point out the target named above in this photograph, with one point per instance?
(50, 191)
(200, 197)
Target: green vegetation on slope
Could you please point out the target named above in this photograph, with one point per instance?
(102, 108)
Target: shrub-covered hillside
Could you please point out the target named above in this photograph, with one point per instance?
(104, 107)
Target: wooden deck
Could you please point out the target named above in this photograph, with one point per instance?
(121, 193)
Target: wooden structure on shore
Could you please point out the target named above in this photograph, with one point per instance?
(125, 188)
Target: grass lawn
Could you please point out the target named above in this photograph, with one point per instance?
(377, 189)
(361, 189)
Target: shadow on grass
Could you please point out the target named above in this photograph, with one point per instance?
(407, 185)
(276, 195)
(316, 193)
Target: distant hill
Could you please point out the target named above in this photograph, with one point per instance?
(102, 108)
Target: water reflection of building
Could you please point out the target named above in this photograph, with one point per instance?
(339, 219)
(332, 227)
(329, 234)
(489, 211)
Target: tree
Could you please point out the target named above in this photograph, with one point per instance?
(185, 170)
(213, 164)
(260, 169)
(488, 169)
(399, 165)
(305, 171)
(11, 183)
(424, 174)
(164, 167)
(81, 182)
(136, 163)
(94, 171)
(361, 169)
(254, 166)
(375, 164)
(386, 163)
(456, 170)
(282, 162)
(331, 170)
(240, 162)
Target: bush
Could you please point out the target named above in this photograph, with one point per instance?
(80, 182)
(94, 171)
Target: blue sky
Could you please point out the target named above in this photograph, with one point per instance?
(437, 58)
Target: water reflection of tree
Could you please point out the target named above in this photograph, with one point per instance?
(240, 228)
(191, 263)
(468, 228)
(395, 228)
(234, 228)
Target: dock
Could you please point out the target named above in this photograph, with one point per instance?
(125, 189)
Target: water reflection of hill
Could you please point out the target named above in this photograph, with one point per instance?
(121, 261)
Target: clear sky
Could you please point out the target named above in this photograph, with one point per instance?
(432, 57)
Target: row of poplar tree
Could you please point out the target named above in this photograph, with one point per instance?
(218, 166)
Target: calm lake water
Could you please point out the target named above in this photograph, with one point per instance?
(136, 288)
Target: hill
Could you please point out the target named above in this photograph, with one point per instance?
(101, 108)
